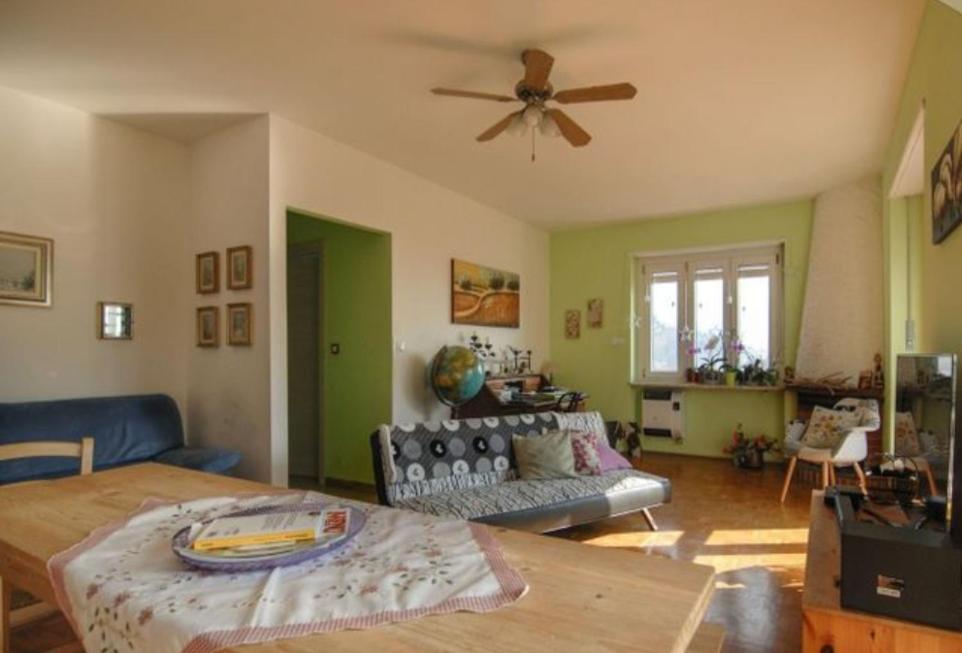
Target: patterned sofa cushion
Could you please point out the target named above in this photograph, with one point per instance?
(439, 457)
(473, 503)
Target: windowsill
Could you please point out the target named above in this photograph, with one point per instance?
(712, 388)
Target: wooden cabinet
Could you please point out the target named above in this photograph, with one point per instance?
(827, 628)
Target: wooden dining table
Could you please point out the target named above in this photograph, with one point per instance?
(581, 597)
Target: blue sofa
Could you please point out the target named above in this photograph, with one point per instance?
(126, 430)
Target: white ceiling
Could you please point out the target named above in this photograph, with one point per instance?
(739, 102)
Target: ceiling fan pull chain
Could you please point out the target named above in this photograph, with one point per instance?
(532, 145)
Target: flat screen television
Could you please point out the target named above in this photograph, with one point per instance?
(925, 425)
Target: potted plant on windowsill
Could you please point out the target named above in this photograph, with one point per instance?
(711, 370)
(749, 453)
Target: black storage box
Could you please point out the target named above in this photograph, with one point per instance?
(900, 572)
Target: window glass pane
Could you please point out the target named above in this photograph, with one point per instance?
(709, 322)
(664, 323)
(754, 318)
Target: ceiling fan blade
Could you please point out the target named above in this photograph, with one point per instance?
(572, 132)
(623, 91)
(537, 67)
(498, 127)
(472, 94)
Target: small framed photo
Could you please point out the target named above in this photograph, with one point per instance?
(240, 324)
(865, 378)
(208, 273)
(115, 321)
(208, 327)
(26, 270)
(596, 311)
(240, 267)
(572, 324)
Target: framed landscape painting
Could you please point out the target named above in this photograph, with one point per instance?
(484, 296)
(26, 270)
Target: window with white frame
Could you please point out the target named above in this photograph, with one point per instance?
(711, 309)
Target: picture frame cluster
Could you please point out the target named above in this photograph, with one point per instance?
(239, 315)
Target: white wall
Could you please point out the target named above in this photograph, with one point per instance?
(129, 211)
(114, 199)
(429, 226)
(842, 320)
(228, 387)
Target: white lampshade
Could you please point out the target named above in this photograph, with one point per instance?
(517, 126)
(532, 116)
(549, 127)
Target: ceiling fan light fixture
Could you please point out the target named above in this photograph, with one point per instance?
(549, 127)
(533, 116)
(518, 126)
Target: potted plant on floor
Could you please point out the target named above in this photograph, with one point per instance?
(749, 453)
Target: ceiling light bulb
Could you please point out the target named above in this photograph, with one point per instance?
(517, 126)
(532, 116)
(549, 127)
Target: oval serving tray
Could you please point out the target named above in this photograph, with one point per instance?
(180, 543)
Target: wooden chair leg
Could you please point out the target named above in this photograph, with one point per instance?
(861, 477)
(788, 477)
(649, 519)
(933, 488)
(6, 600)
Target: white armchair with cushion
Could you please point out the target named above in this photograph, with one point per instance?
(832, 438)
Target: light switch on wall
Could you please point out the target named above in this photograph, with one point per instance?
(335, 348)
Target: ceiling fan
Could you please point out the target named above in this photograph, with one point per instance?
(535, 90)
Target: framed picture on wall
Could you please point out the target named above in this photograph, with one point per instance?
(240, 270)
(240, 327)
(26, 270)
(572, 324)
(596, 311)
(484, 296)
(208, 273)
(946, 187)
(208, 327)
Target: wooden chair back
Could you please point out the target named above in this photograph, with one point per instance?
(84, 450)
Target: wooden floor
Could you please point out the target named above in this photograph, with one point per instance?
(730, 519)
(719, 516)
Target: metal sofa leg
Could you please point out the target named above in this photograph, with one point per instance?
(649, 519)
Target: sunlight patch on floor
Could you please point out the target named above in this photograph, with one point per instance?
(637, 540)
(723, 563)
(758, 536)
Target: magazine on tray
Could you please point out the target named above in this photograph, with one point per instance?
(272, 533)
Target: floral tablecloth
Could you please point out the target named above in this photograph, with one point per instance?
(124, 590)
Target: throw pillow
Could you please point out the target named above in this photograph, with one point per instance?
(906, 436)
(545, 456)
(827, 427)
(584, 447)
(611, 459)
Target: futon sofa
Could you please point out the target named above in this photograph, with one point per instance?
(466, 469)
(125, 430)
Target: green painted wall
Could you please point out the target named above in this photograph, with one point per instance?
(595, 262)
(935, 78)
(356, 294)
